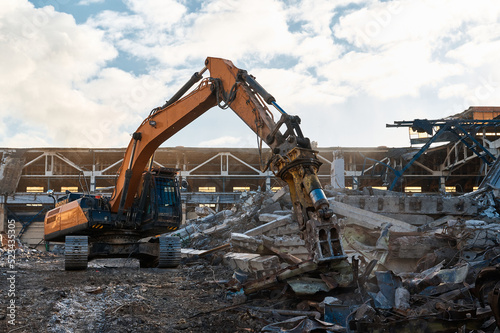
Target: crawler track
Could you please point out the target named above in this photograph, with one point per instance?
(170, 252)
(76, 253)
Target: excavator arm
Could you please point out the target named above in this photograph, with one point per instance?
(293, 160)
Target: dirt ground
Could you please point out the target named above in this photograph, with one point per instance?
(118, 296)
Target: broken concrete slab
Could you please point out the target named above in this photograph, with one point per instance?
(246, 242)
(187, 231)
(266, 217)
(293, 245)
(278, 222)
(368, 219)
(283, 212)
(288, 229)
(11, 168)
(204, 211)
(189, 253)
(239, 260)
(307, 285)
(412, 219)
(217, 228)
(280, 193)
(402, 204)
(270, 208)
(285, 245)
(268, 244)
(473, 234)
(415, 246)
(264, 265)
(255, 264)
(282, 275)
(438, 222)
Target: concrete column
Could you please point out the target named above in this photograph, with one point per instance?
(355, 182)
(184, 213)
(442, 184)
(92, 180)
(337, 170)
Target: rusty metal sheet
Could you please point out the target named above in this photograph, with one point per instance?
(11, 167)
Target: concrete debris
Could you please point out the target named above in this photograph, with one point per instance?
(258, 265)
(369, 219)
(308, 286)
(302, 324)
(449, 243)
(4, 241)
(276, 225)
(401, 298)
(20, 254)
(435, 273)
(426, 251)
(473, 234)
(395, 203)
(204, 211)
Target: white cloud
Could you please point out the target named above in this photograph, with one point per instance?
(258, 28)
(476, 52)
(254, 30)
(89, 2)
(315, 16)
(381, 23)
(159, 13)
(454, 90)
(45, 62)
(223, 141)
(405, 46)
(331, 62)
(400, 70)
(22, 140)
(295, 90)
(116, 25)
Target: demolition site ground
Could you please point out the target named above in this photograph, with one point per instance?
(118, 296)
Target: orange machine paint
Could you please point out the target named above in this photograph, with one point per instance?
(71, 214)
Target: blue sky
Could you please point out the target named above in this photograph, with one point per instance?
(85, 73)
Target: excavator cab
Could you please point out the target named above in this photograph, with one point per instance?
(159, 209)
(167, 202)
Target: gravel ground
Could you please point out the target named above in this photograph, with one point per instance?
(117, 296)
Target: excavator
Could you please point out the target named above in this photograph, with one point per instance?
(146, 200)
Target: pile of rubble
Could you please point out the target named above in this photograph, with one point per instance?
(413, 263)
(418, 263)
(20, 253)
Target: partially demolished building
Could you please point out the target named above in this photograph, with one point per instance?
(216, 177)
(420, 225)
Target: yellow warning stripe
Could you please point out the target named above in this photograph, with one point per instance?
(171, 228)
